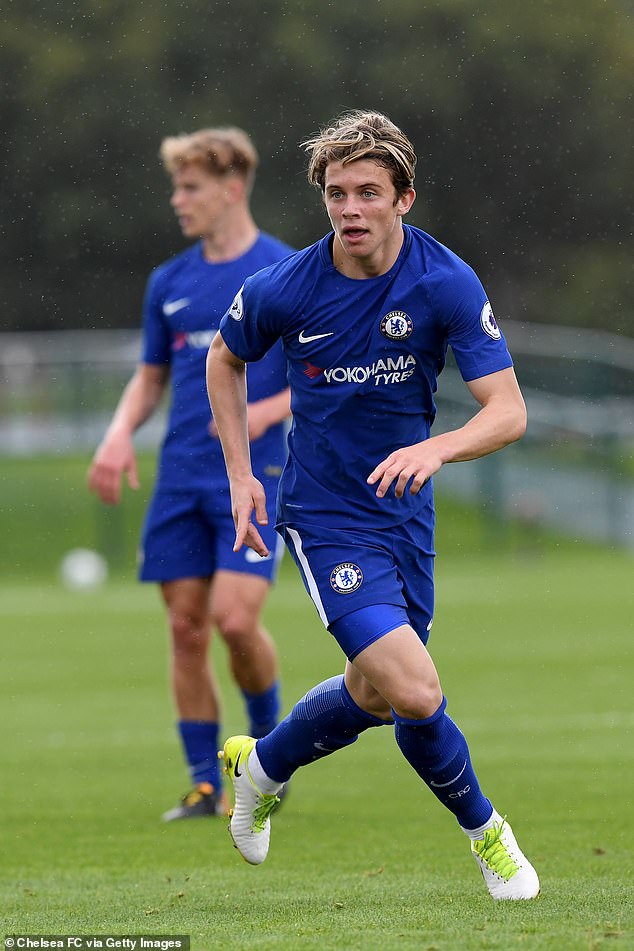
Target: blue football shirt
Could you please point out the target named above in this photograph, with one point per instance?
(184, 302)
(364, 357)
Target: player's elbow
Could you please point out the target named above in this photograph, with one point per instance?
(216, 347)
(517, 421)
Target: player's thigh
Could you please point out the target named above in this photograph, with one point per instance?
(187, 596)
(242, 578)
(401, 670)
(177, 540)
(237, 600)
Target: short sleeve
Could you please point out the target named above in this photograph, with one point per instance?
(156, 347)
(470, 326)
(249, 328)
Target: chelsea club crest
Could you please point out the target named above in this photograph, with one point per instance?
(346, 578)
(397, 325)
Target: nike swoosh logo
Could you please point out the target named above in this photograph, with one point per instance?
(442, 785)
(173, 306)
(308, 339)
(254, 558)
(235, 769)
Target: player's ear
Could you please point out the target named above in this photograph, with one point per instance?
(405, 201)
(236, 187)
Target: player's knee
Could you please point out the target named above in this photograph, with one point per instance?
(370, 700)
(378, 707)
(417, 701)
(238, 630)
(190, 634)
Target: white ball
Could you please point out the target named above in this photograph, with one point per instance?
(83, 569)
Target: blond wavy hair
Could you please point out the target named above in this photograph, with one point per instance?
(221, 151)
(362, 135)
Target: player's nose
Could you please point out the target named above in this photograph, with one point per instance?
(350, 209)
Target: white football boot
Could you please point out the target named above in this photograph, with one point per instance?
(250, 825)
(506, 870)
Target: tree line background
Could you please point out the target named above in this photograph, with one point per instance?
(521, 114)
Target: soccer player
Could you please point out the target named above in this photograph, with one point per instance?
(365, 317)
(189, 532)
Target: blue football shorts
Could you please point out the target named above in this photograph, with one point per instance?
(365, 583)
(191, 535)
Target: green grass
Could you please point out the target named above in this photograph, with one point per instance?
(533, 641)
(362, 857)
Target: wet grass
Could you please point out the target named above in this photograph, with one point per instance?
(534, 649)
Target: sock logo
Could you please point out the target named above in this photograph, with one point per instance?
(442, 785)
(458, 795)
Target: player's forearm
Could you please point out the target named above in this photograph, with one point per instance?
(496, 425)
(227, 391)
(138, 402)
(500, 421)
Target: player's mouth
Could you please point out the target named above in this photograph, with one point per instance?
(354, 234)
(186, 223)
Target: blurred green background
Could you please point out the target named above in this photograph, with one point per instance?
(48, 511)
(520, 113)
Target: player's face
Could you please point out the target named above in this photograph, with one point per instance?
(200, 201)
(366, 215)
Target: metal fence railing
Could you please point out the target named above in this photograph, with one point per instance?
(572, 471)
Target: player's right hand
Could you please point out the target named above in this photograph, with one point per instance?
(247, 497)
(114, 456)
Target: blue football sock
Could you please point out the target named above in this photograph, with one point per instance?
(323, 721)
(263, 710)
(438, 751)
(200, 743)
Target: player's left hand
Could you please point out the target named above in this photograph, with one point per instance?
(413, 465)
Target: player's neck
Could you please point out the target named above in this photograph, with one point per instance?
(374, 265)
(230, 240)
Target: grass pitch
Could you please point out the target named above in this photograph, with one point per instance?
(362, 856)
